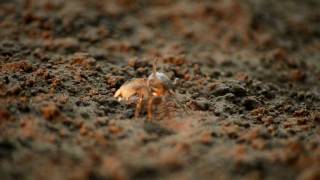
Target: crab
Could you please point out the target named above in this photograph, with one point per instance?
(153, 90)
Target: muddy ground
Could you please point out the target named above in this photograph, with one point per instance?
(249, 76)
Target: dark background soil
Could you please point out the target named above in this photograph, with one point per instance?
(249, 73)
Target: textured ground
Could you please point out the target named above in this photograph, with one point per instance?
(249, 73)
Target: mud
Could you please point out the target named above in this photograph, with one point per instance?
(249, 77)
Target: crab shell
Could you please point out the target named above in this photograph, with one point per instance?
(164, 79)
(139, 87)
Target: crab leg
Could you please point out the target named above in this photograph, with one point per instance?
(150, 109)
(138, 106)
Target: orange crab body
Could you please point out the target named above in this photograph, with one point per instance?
(153, 90)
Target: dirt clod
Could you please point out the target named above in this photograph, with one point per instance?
(50, 111)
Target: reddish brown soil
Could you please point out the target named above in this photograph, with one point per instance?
(249, 73)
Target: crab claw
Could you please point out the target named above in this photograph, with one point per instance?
(118, 95)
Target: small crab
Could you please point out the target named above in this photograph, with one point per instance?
(154, 89)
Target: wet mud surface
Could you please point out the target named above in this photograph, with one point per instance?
(249, 75)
